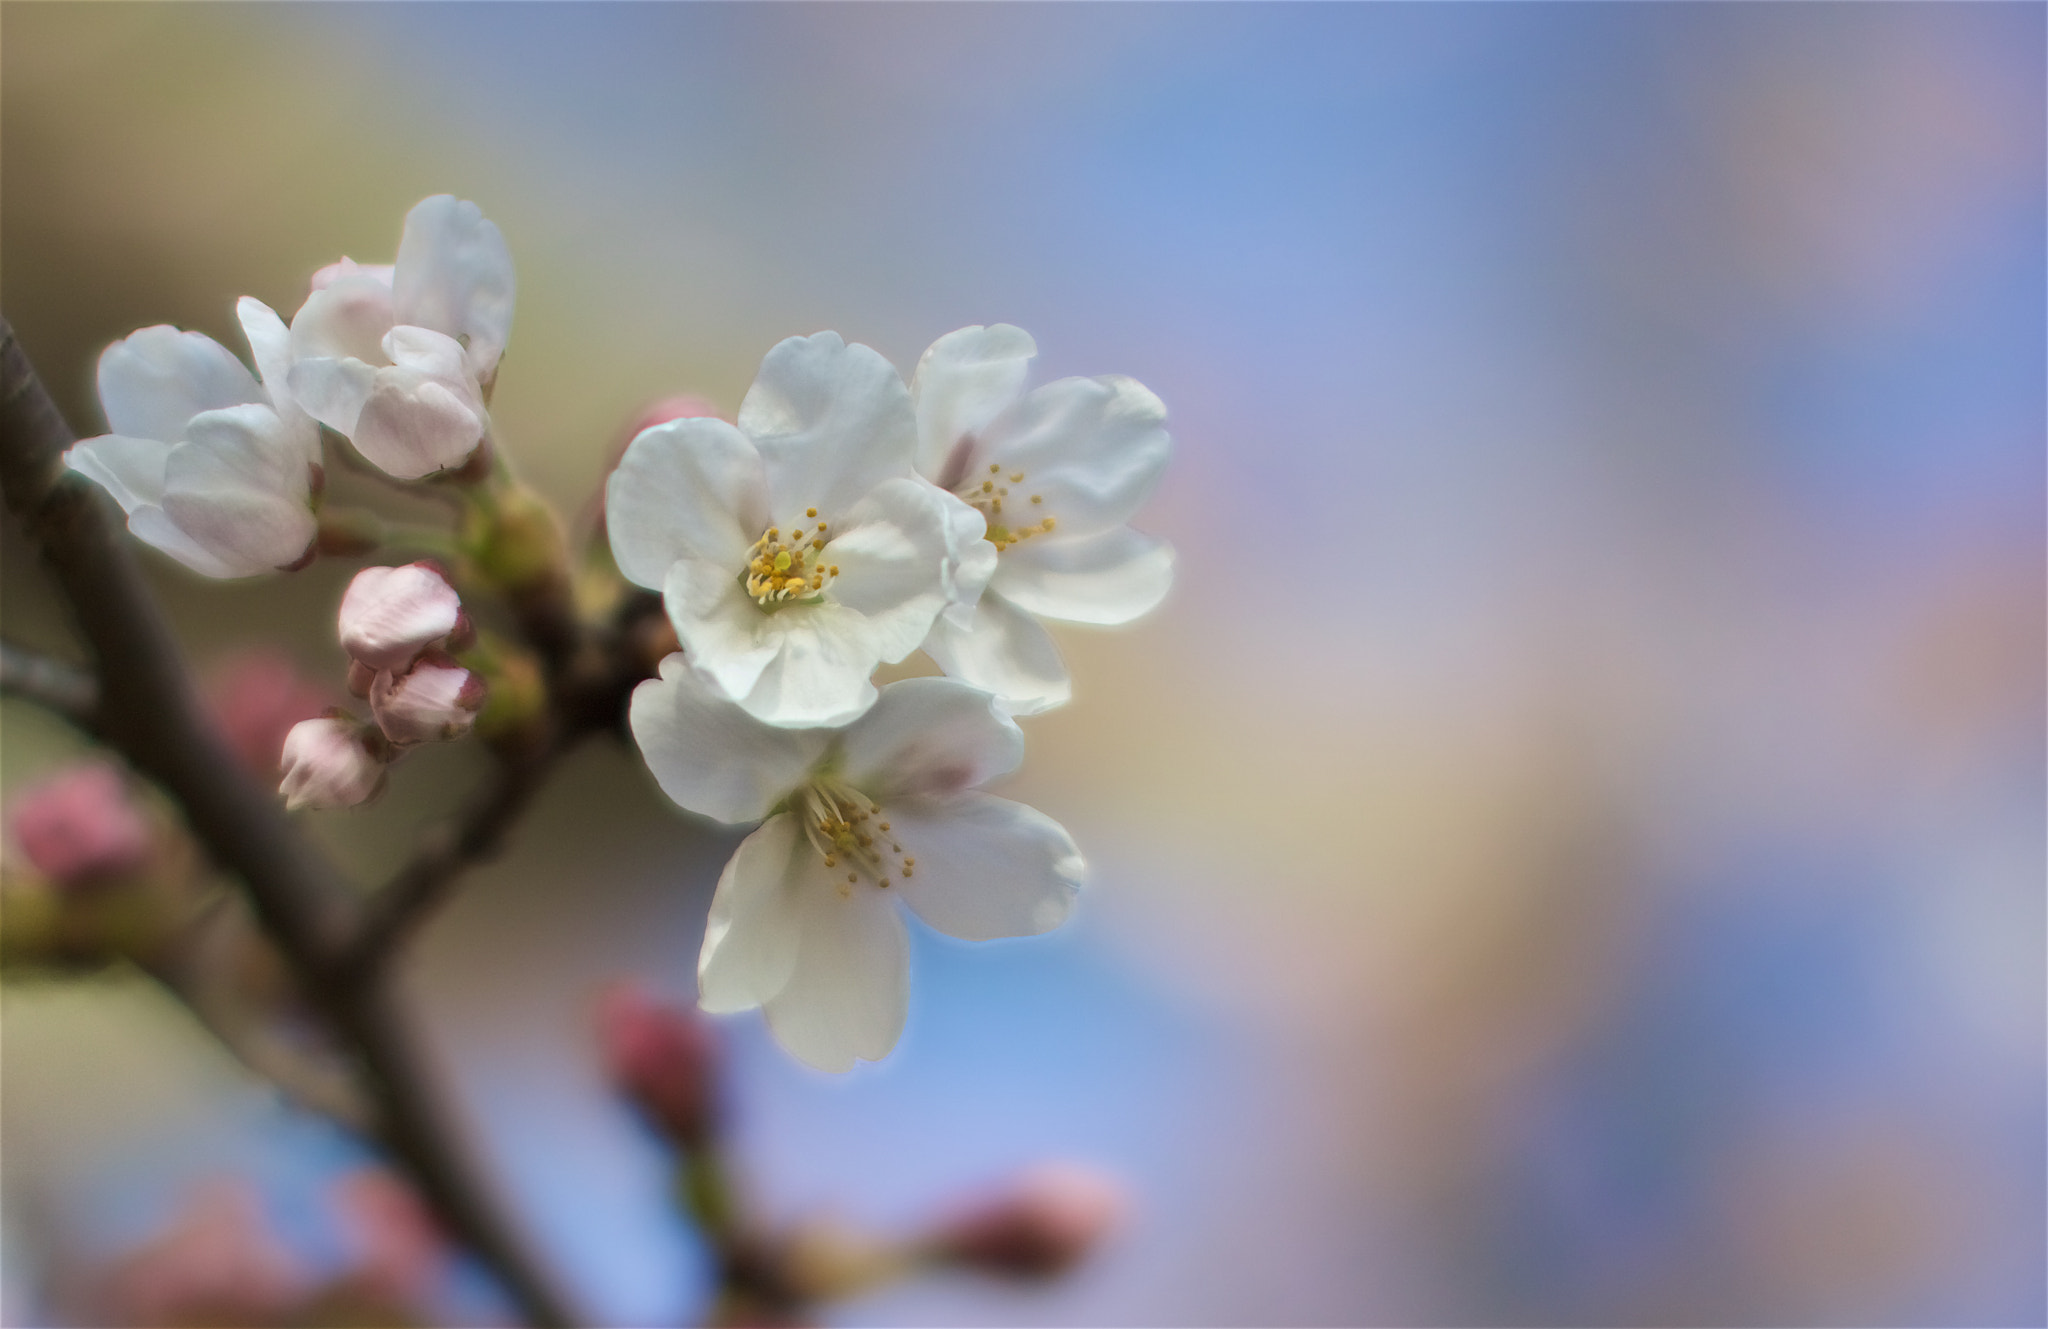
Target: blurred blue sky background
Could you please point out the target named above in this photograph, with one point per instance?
(1571, 850)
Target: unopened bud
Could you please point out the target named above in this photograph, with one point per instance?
(256, 697)
(81, 826)
(1048, 1220)
(390, 615)
(348, 267)
(332, 762)
(436, 699)
(663, 1057)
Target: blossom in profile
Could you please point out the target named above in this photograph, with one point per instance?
(1056, 473)
(332, 762)
(390, 615)
(80, 826)
(795, 550)
(1039, 1226)
(214, 466)
(399, 359)
(804, 922)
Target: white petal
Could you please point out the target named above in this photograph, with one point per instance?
(971, 559)
(390, 614)
(831, 421)
(690, 488)
(1092, 448)
(929, 737)
(962, 383)
(848, 994)
(435, 700)
(818, 674)
(454, 275)
(709, 755)
(727, 636)
(345, 320)
(1004, 651)
(152, 381)
(238, 486)
(154, 527)
(986, 867)
(751, 934)
(270, 343)
(1108, 578)
(412, 425)
(131, 469)
(332, 390)
(894, 566)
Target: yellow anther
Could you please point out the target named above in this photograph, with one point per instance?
(1016, 477)
(885, 826)
(810, 512)
(1038, 498)
(994, 469)
(988, 486)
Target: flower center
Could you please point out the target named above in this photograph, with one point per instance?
(988, 494)
(788, 569)
(845, 827)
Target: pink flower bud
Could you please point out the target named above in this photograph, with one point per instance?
(1051, 1217)
(436, 699)
(398, 1252)
(332, 762)
(681, 407)
(216, 1264)
(390, 615)
(661, 1056)
(256, 697)
(81, 825)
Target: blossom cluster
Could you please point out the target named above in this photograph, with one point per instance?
(847, 517)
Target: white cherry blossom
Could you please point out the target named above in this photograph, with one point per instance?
(1056, 473)
(796, 550)
(213, 465)
(398, 358)
(804, 923)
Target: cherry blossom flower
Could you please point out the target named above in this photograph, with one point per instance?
(803, 924)
(389, 615)
(399, 358)
(436, 699)
(1056, 473)
(212, 465)
(332, 762)
(796, 550)
(81, 825)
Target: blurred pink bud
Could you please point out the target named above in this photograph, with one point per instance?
(81, 825)
(661, 1056)
(256, 697)
(398, 1250)
(390, 615)
(681, 407)
(331, 762)
(436, 699)
(348, 267)
(216, 1264)
(1045, 1223)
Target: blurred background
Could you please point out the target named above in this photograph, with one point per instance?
(1569, 852)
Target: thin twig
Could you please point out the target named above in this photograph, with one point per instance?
(445, 852)
(63, 689)
(150, 714)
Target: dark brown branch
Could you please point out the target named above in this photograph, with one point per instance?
(149, 713)
(62, 689)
